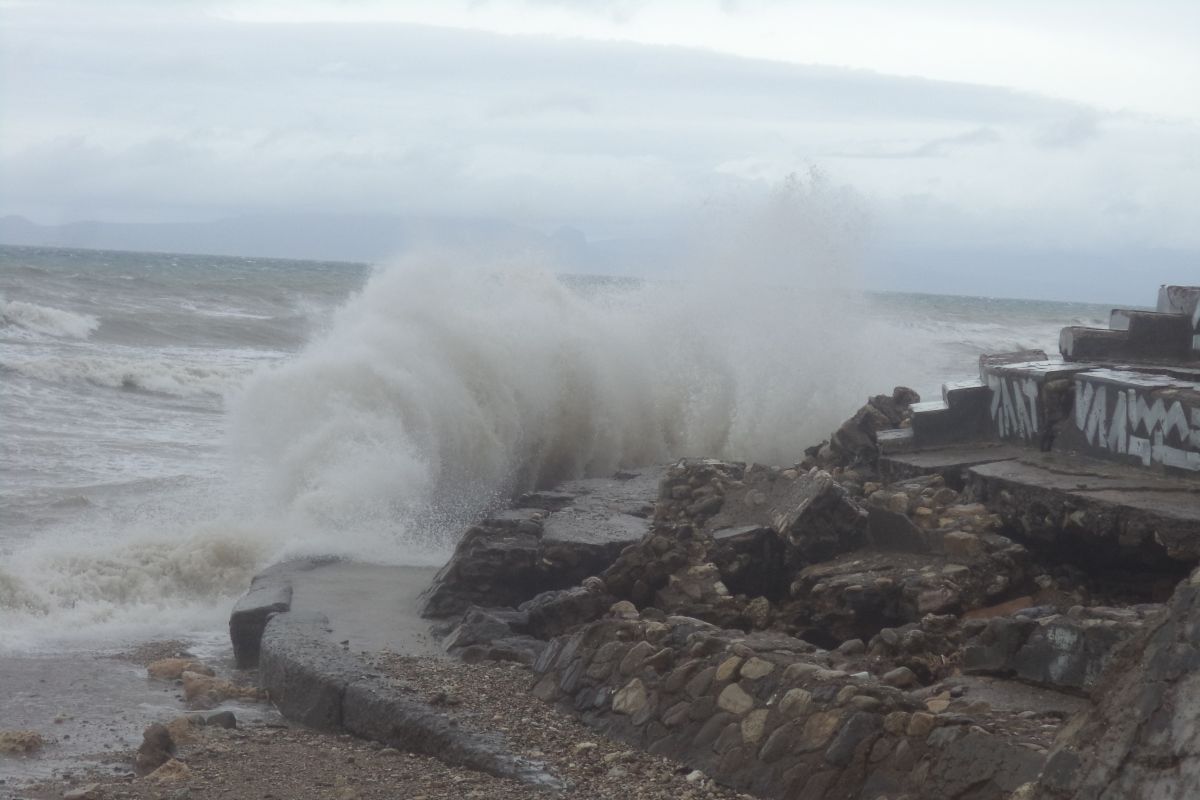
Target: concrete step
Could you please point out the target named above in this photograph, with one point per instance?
(949, 462)
(1093, 511)
(1183, 300)
(1168, 334)
(895, 440)
(955, 393)
(1138, 418)
(960, 416)
(1028, 399)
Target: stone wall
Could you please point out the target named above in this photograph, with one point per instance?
(770, 714)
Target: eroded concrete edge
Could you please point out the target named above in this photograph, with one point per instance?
(313, 681)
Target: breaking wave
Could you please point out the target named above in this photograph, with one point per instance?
(160, 375)
(46, 320)
(441, 388)
(446, 385)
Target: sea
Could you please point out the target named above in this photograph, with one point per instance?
(169, 424)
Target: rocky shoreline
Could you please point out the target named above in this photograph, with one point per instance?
(944, 600)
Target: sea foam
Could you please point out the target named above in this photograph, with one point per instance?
(46, 320)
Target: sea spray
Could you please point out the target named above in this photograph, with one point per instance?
(46, 320)
(445, 387)
(440, 389)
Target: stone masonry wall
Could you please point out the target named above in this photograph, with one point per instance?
(767, 713)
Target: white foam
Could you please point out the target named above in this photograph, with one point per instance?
(442, 388)
(165, 374)
(47, 320)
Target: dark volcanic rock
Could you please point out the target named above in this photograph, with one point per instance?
(1067, 651)
(855, 440)
(555, 612)
(559, 539)
(1142, 736)
(811, 513)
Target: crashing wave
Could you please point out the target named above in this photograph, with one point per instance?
(46, 320)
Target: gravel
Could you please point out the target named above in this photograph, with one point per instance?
(265, 761)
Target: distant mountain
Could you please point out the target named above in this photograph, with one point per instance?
(306, 236)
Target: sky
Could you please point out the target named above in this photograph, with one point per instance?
(978, 129)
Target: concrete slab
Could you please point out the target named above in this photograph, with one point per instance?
(371, 605)
(949, 462)
(1102, 511)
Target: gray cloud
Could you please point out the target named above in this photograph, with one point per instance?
(1070, 131)
(940, 147)
(173, 114)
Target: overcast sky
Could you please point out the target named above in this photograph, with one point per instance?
(1069, 125)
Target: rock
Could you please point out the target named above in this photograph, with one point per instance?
(728, 668)
(813, 515)
(1057, 650)
(172, 771)
(892, 529)
(183, 729)
(89, 792)
(205, 691)
(483, 626)
(958, 544)
(558, 611)
(631, 698)
(754, 725)
(222, 719)
(517, 554)
(857, 729)
(169, 669)
(900, 677)
(756, 668)
(20, 741)
(698, 585)
(921, 724)
(855, 440)
(1139, 738)
(734, 700)
(750, 560)
(156, 749)
(795, 702)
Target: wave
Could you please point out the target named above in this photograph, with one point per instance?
(444, 386)
(46, 320)
(160, 374)
(441, 388)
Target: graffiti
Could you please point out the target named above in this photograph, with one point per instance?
(1014, 406)
(1130, 422)
(1196, 328)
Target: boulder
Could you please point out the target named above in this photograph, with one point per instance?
(1063, 651)
(20, 741)
(157, 748)
(1140, 737)
(555, 541)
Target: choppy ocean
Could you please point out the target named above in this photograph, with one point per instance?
(171, 423)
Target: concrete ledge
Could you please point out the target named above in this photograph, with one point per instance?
(250, 615)
(304, 674)
(270, 593)
(314, 681)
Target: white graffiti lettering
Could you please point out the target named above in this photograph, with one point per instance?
(1139, 426)
(1014, 406)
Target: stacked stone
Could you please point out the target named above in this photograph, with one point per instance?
(1063, 651)
(771, 714)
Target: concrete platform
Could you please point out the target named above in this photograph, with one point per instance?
(1101, 511)
(372, 606)
(949, 462)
